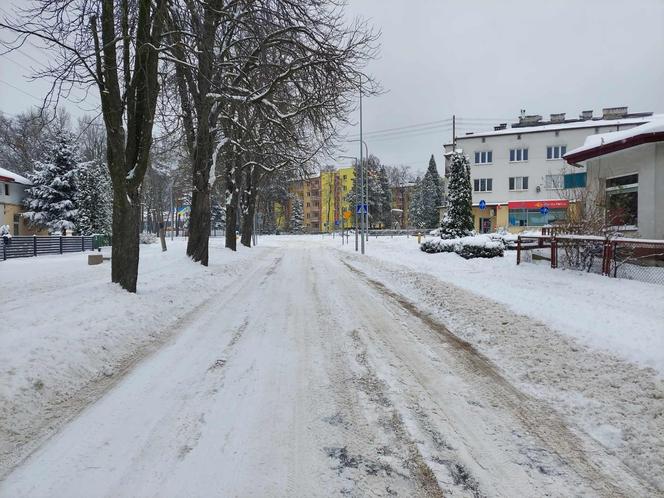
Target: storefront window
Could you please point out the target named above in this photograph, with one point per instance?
(534, 217)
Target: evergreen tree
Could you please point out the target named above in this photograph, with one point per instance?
(417, 207)
(458, 221)
(432, 171)
(384, 201)
(94, 199)
(296, 221)
(51, 201)
(217, 216)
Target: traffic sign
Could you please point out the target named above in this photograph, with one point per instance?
(347, 214)
(361, 208)
(544, 210)
(336, 223)
(482, 204)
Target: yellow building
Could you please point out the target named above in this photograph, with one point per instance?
(323, 200)
(12, 194)
(335, 185)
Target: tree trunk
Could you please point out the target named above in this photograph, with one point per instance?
(232, 188)
(199, 223)
(125, 248)
(248, 210)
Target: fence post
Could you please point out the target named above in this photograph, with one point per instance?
(554, 252)
(60, 244)
(518, 250)
(82, 243)
(4, 251)
(605, 257)
(34, 245)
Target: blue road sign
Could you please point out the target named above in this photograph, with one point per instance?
(361, 208)
(544, 210)
(336, 223)
(482, 204)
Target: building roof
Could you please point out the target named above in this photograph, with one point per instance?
(567, 125)
(606, 143)
(10, 177)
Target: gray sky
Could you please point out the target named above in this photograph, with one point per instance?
(478, 59)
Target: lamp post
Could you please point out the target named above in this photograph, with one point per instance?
(357, 196)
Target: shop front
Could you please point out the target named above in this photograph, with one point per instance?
(537, 213)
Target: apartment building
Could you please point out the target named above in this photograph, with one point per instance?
(335, 186)
(518, 173)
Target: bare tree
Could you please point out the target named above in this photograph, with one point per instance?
(112, 45)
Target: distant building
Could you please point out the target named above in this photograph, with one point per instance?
(401, 198)
(626, 175)
(518, 170)
(12, 195)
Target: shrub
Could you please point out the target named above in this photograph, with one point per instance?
(478, 246)
(148, 238)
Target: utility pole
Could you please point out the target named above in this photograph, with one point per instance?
(362, 204)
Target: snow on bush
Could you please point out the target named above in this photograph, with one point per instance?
(476, 246)
(148, 238)
(4, 232)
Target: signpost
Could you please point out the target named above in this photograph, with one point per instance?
(361, 209)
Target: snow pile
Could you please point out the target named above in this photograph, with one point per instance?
(474, 246)
(594, 141)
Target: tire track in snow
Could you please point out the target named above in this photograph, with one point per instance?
(605, 477)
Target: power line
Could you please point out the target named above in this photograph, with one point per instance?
(449, 120)
(20, 90)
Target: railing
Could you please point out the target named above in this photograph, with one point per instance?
(617, 257)
(36, 245)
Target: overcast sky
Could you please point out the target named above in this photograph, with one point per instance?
(482, 60)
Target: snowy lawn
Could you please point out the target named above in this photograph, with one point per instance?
(623, 317)
(67, 328)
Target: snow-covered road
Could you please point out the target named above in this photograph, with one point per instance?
(307, 377)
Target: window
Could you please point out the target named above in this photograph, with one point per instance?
(575, 180)
(556, 151)
(518, 155)
(483, 157)
(553, 181)
(308, 194)
(6, 188)
(17, 224)
(308, 204)
(483, 184)
(518, 183)
(315, 203)
(345, 177)
(622, 200)
(534, 217)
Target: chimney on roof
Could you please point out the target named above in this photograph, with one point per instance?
(558, 118)
(532, 119)
(501, 126)
(614, 112)
(586, 115)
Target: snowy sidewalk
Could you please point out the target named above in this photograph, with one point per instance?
(70, 333)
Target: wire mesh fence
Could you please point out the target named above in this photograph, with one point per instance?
(634, 259)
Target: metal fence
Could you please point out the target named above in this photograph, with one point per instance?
(36, 245)
(634, 259)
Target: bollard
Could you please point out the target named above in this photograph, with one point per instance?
(419, 236)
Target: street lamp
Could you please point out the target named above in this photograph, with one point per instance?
(356, 199)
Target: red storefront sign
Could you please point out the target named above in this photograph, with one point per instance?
(551, 204)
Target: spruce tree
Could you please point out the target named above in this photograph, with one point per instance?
(385, 200)
(296, 221)
(458, 221)
(51, 201)
(94, 199)
(417, 205)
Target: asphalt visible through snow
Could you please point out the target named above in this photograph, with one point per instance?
(308, 378)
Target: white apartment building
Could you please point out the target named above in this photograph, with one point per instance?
(518, 173)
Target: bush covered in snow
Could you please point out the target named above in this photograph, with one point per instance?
(477, 246)
(148, 238)
(5, 232)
